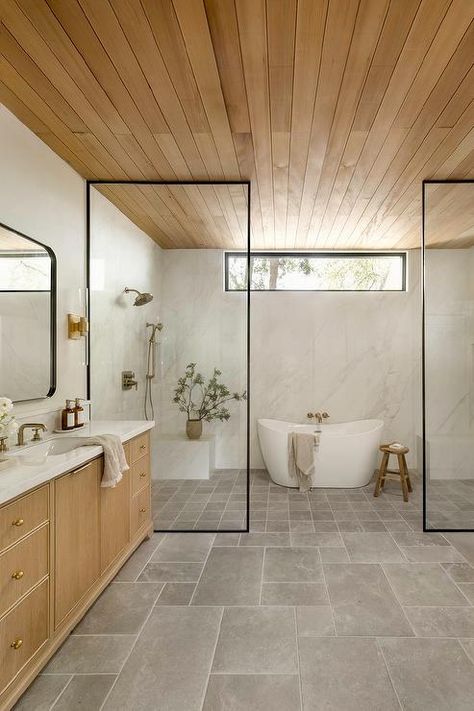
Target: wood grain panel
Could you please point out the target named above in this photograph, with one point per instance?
(335, 110)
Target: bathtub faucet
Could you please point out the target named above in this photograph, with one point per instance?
(318, 416)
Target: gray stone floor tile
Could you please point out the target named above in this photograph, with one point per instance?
(431, 554)
(184, 547)
(252, 692)
(87, 691)
(442, 621)
(90, 654)
(294, 594)
(171, 572)
(460, 572)
(231, 576)
(43, 692)
(432, 674)
(292, 565)
(264, 539)
(176, 594)
(257, 640)
(372, 548)
(315, 621)
(169, 665)
(363, 602)
(422, 584)
(344, 675)
(321, 539)
(121, 609)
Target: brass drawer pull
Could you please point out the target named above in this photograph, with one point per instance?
(18, 575)
(143, 446)
(142, 510)
(16, 644)
(143, 474)
(18, 522)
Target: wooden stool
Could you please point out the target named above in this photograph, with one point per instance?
(385, 473)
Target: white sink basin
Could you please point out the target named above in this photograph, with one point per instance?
(39, 453)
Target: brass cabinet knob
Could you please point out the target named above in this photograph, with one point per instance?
(142, 510)
(16, 644)
(143, 474)
(143, 446)
(18, 522)
(18, 575)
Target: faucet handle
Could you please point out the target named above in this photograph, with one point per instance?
(325, 415)
(36, 432)
(310, 415)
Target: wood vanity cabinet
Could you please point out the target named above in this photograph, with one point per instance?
(60, 546)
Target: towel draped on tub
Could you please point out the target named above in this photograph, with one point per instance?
(115, 462)
(301, 457)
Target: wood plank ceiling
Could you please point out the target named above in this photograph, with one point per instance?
(334, 109)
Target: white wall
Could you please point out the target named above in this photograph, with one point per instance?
(121, 255)
(356, 355)
(43, 197)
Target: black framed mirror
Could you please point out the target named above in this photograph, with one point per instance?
(27, 317)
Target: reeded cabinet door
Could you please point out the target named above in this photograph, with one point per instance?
(114, 520)
(77, 536)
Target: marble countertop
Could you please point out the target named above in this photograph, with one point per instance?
(17, 478)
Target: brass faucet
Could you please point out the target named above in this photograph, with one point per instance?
(318, 416)
(37, 427)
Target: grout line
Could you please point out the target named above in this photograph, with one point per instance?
(202, 571)
(298, 665)
(62, 691)
(212, 658)
(379, 647)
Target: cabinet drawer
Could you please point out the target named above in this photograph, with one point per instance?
(23, 566)
(22, 516)
(140, 474)
(22, 632)
(139, 447)
(140, 509)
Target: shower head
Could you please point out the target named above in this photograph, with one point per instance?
(142, 298)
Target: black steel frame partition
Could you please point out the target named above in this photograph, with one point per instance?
(425, 183)
(246, 183)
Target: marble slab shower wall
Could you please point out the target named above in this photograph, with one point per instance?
(121, 255)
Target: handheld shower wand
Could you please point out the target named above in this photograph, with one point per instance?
(151, 369)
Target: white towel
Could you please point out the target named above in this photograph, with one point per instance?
(301, 457)
(115, 462)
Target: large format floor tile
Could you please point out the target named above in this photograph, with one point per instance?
(101, 654)
(231, 576)
(249, 692)
(344, 675)
(121, 609)
(363, 602)
(169, 665)
(184, 547)
(422, 584)
(294, 594)
(442, 621)
(86, 691)
(430, 674)
(292, 565)
(257, 640)
(372, 548)
(43, 692)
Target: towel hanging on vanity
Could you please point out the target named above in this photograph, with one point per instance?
(301, 457)
(115, 462)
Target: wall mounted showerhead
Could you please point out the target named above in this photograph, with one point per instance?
(142, 298)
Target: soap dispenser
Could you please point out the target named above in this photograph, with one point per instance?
(67, 416)
(78, 413)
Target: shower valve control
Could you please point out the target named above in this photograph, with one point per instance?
(128, 380)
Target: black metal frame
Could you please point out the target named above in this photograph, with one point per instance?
(92, 183)
(423, 352)
(326, 255)
(52, 314)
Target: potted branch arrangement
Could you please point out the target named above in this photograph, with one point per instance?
(203, 401)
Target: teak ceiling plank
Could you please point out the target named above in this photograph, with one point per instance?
(222, 20)
(281, 22)
(195, 30)
(102, 119)
(76, 23)
(369, 23)
(310, 26)
(252, 32)
(340, 26)
(422, 31)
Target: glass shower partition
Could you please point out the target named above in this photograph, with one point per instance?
(448, 250)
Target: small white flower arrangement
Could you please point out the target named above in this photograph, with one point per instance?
(8, 423)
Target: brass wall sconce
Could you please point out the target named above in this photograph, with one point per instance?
(77, 326)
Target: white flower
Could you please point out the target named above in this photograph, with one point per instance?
(6, 405)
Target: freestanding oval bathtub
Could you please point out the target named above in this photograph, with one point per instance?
(346, 456)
